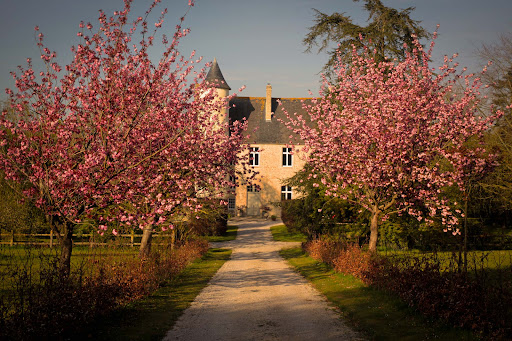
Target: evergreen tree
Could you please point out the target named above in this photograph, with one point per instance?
(388, 32)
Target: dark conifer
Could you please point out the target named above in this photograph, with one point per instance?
(389, 32)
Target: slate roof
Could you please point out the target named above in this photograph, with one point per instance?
(260, 130)
(215, 76)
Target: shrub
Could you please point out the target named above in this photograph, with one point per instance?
(289, 210)
(324, 250)
(45, 304)
(458, 298)
(352, 260)
(211, 221)
(463, 300)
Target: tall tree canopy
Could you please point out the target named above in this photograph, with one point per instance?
(387, 32)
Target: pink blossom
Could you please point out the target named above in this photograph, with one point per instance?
(118, 127)
(382, 134)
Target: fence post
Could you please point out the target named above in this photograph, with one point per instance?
(12, 238)
(51, 239)
(132, 237)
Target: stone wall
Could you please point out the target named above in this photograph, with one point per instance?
(271, 174)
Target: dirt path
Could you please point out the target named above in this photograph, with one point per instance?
(257, 296)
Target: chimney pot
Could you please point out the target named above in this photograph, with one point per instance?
(268, 104)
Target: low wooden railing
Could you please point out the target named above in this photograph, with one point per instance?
(12, 238)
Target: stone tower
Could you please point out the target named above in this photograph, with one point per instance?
(221, 86)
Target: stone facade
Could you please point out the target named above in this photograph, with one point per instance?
(269, 181)
(269, 135)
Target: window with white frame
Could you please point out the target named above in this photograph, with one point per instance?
(231, 204)
(287, 157)
(254, 156)
(286, 192)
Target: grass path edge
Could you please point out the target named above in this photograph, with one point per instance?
(374, 313)
(150, 318)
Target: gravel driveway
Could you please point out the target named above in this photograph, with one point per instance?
(257, 296)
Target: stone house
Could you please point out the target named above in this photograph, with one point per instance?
(271, 156)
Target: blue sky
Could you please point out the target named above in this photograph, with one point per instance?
(255, 41)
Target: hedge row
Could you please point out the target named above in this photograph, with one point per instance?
(45, 305)
(458, 298)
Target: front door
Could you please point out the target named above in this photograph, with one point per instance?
(253, 203)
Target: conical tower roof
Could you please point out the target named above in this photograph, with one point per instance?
(215, 76)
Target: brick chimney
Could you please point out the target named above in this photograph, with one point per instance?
(268, 104)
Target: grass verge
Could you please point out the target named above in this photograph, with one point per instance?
(376, 314)
(281, 234)
(152, 317)
(226, 237)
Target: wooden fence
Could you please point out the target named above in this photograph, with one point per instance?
(92, 239)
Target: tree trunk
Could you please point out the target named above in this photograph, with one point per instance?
(145, 244)
(374, 231)
(466, 235)
(173, 238)
(66, 248)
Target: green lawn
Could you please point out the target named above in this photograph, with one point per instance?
(152, 317)
(29, 260)
(22, 254)
(281, 234)
(27, 255)
(378, 315)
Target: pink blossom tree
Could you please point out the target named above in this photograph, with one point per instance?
(390, 136)
(115, 136)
